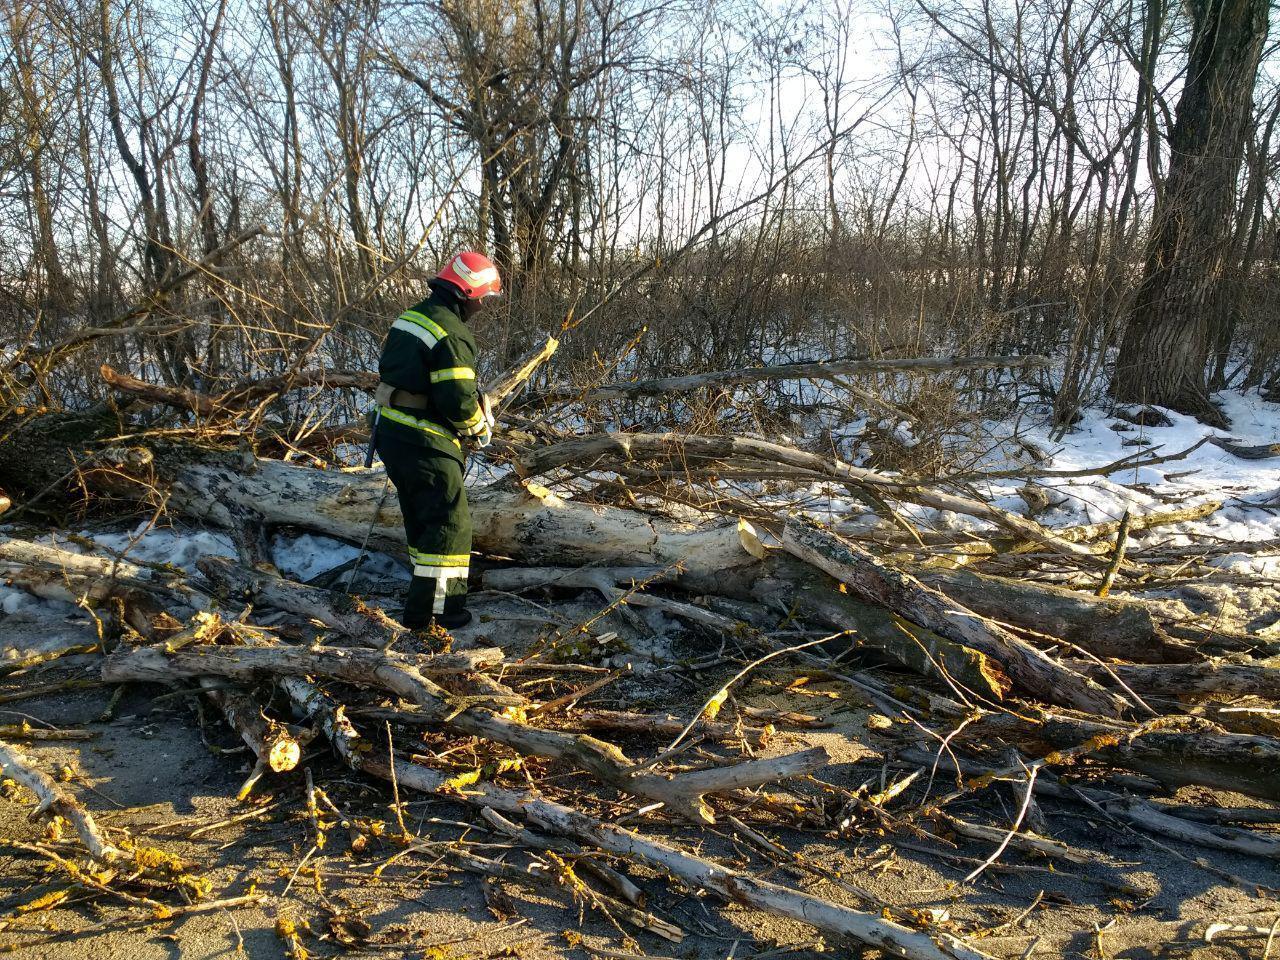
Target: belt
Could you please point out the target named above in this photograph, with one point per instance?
(388, 396)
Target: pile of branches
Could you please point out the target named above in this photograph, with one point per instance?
(1091, 699)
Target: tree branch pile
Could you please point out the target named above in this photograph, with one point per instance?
(1066, 694)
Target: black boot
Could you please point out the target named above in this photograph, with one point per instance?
(454, 620)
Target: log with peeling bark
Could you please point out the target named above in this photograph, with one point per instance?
(682, 793)
(1195, 679)
(273, 744)
(59, 574)
(1107, 627)
(534, 526)
(345, 613)
(1198, 753)
(875, 582)
(56, 802)
(823, 370)
(686, 448)
(885, 630)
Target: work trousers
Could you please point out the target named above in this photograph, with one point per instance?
(437, 526)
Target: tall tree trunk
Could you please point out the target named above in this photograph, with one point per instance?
(1165, 351)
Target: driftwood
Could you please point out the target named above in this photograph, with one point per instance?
(56, 802)
(882, 629)
(1175, 757)
(533, 525)
(58, 574)
(273, 745)
(824, 370)
(875, 582)
(1196, 679)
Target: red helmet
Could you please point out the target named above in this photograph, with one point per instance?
(472, 273)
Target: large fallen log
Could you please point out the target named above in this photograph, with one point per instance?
(347, 614)
(1175, 755)
(58, 574)
(687, 448)
(1196, 679)
(872, 581)
(537, 527)
(885, 629)
(1105, 627)
(788, 584)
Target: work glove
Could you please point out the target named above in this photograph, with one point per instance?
(484, 438)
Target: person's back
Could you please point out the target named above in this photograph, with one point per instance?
(429, 411)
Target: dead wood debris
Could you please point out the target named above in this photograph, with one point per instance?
(1022, 689)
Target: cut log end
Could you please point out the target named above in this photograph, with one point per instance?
(284, 754)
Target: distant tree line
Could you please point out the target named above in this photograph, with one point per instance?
(1095, 179)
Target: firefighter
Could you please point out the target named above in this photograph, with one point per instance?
(429, 414)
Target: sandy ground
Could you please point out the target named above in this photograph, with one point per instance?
(148, 768)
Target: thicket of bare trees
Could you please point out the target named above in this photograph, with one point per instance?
(842, 178)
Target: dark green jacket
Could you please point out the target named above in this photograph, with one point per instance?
(430, 350)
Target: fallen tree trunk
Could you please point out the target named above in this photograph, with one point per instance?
(686, 448)
(1176, 757)
(273, 745)
(875, 582)
(824, 370)
(1105, 627)
(344, 613)
(881, 628)
(58, 574)
(537, 527)
(1196, 679)
(789, 584)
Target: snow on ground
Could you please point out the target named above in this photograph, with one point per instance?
(1248, 489)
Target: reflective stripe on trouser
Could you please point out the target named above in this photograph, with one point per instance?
(437, 526)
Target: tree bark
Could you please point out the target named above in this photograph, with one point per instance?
(874, 582)
(1165, 352)
(827, 370)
